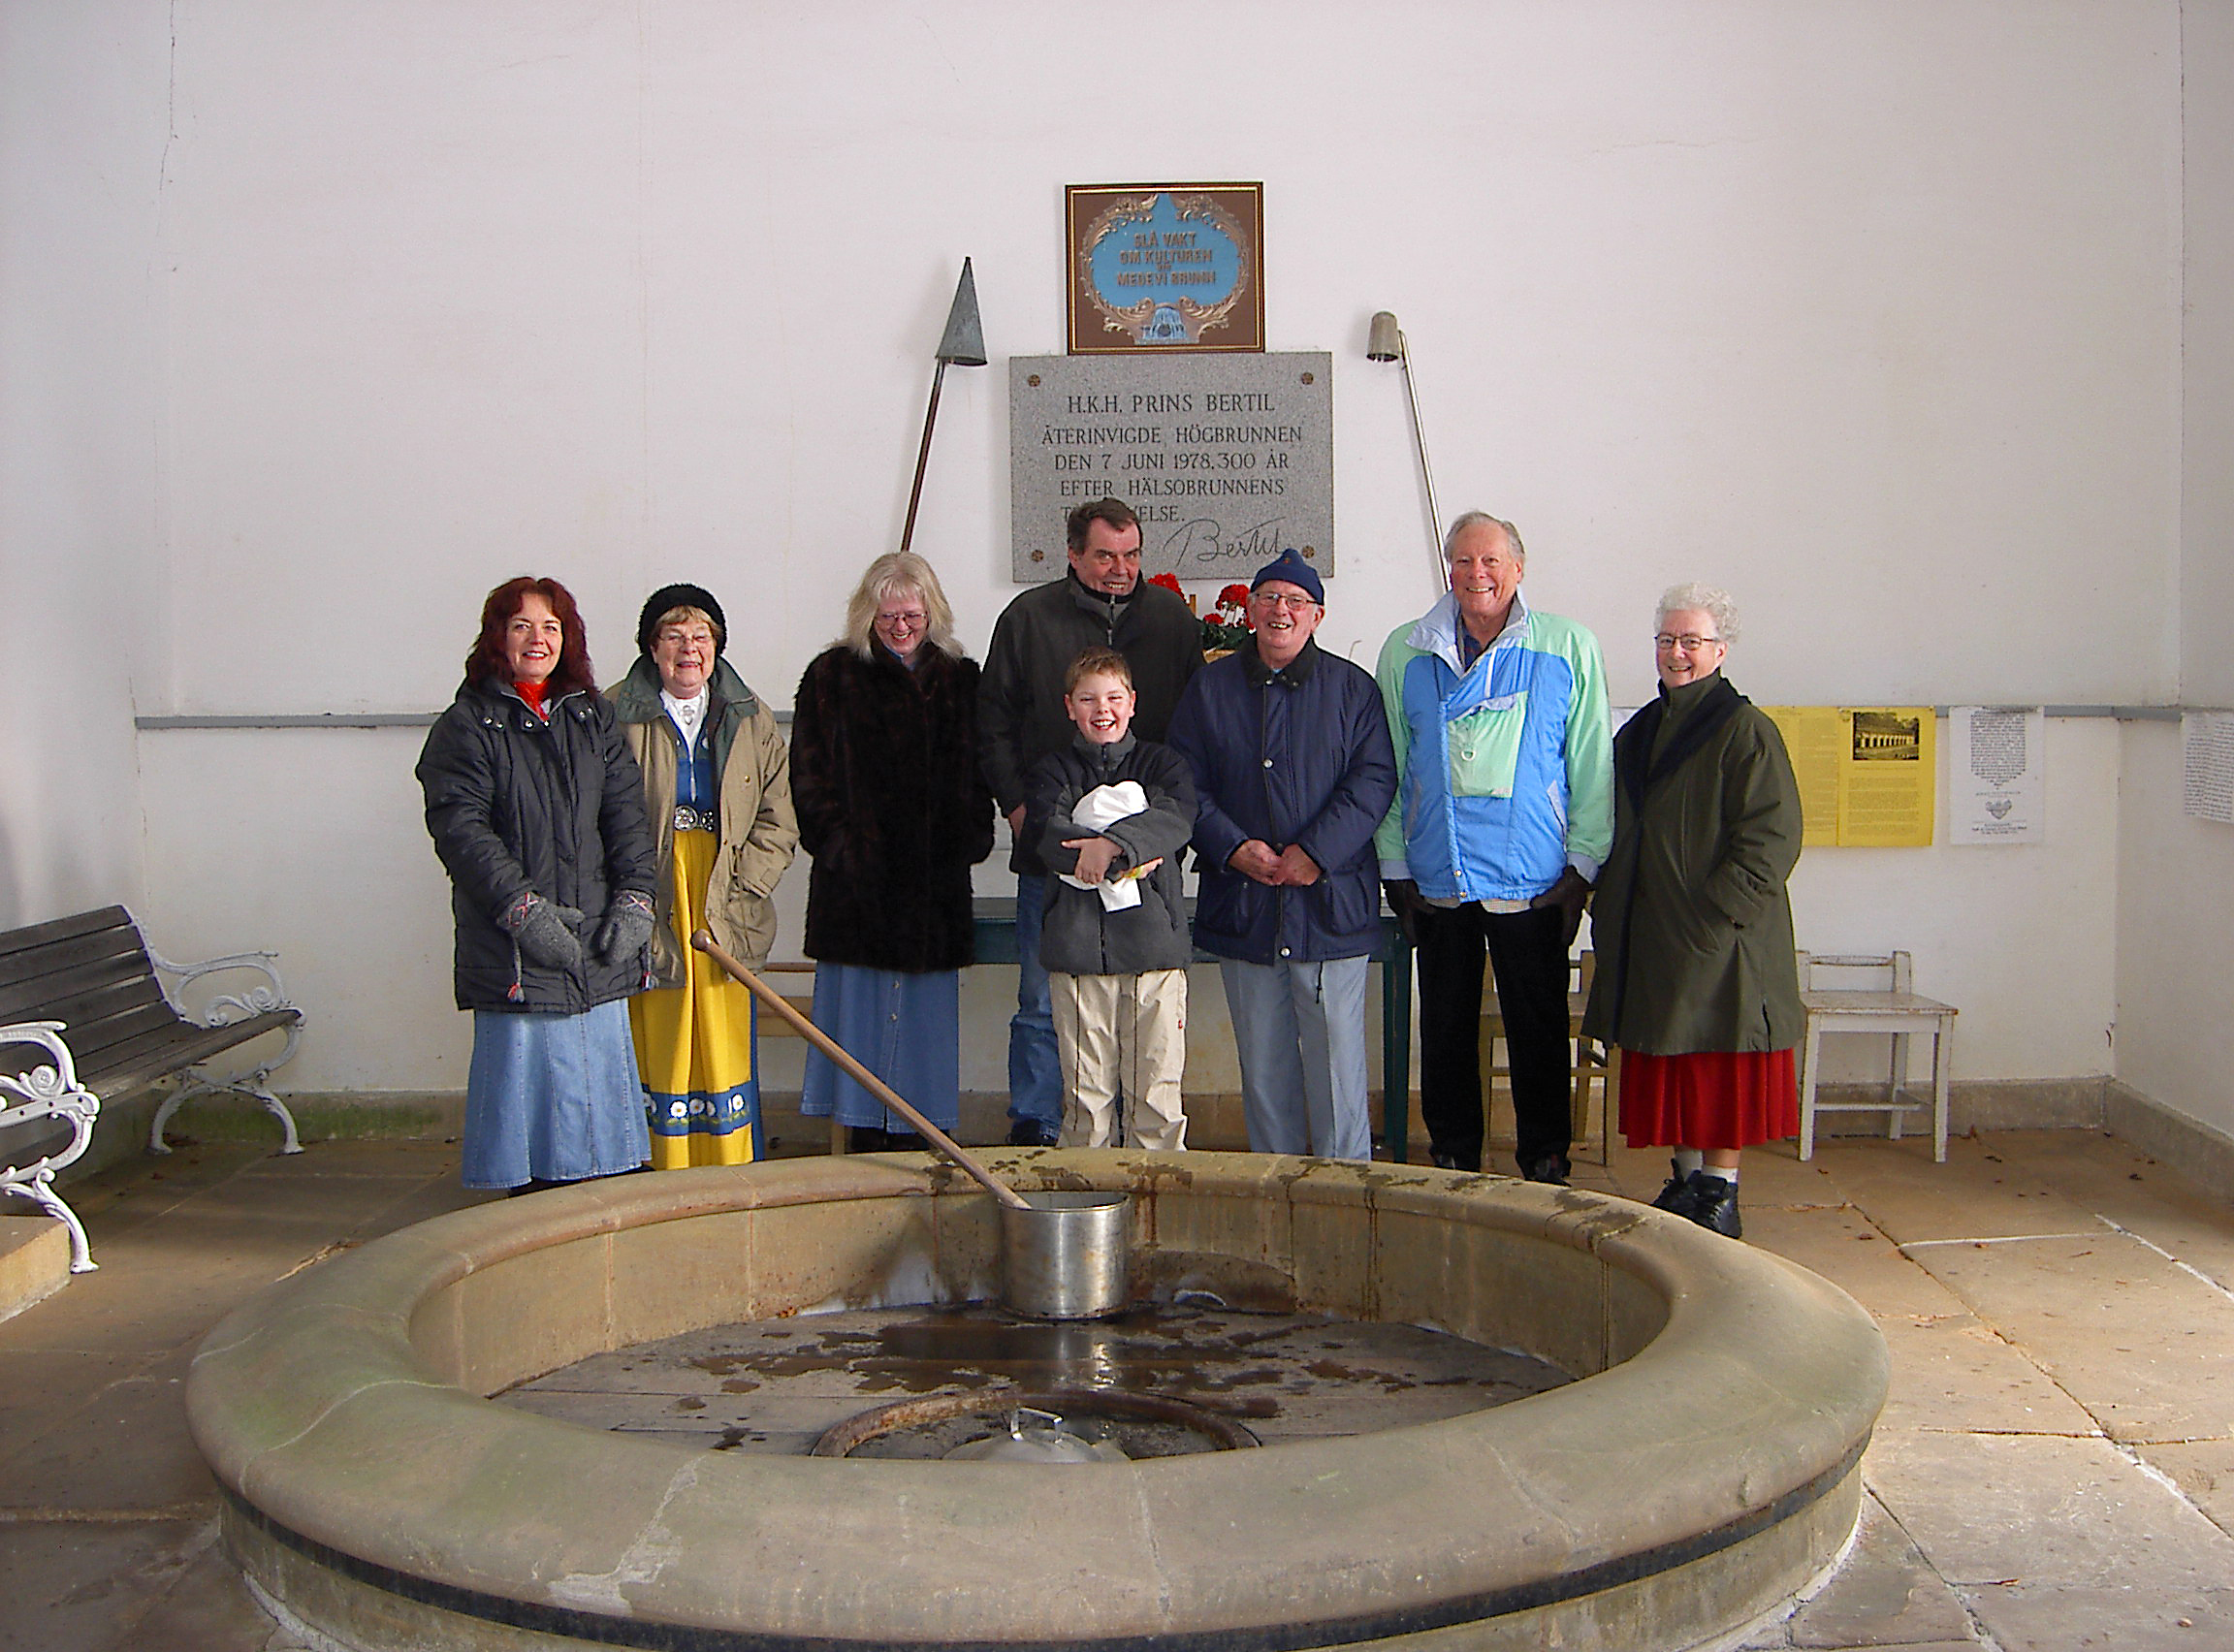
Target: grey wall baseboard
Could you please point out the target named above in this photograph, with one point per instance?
(2205, 1156)
(1978, 1104)
(2198, 1151)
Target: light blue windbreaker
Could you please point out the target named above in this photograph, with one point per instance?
(1506, 772)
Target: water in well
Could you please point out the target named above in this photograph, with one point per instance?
(780, 1385)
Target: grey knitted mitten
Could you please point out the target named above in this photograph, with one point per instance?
(627, 925)
(545, 931)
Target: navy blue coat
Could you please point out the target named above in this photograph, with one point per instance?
(1296, 756)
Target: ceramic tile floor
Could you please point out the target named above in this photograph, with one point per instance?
(2055, 1469)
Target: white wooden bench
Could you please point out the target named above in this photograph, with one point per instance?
(88, 1012)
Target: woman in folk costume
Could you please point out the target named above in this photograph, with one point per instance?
(894, 809)
(717, 783)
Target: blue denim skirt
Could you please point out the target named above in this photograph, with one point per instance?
(553, 1098)
(904, 1026)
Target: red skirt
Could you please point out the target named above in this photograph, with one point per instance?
(1710, 1098)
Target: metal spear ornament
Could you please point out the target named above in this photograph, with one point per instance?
(963, 343)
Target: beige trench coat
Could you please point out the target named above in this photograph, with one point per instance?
(760, 834)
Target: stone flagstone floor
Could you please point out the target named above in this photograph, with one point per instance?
(2055, 1469)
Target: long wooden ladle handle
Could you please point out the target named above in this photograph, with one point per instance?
(705, 943)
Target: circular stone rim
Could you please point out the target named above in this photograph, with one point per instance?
(321, 1418)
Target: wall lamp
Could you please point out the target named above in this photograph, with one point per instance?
(1385, 343)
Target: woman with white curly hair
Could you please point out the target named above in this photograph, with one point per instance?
(1697, 983)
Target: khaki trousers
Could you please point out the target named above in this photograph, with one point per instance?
(1122, 1037)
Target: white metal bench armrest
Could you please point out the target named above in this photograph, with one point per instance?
(50, 1091)
(225, 1008)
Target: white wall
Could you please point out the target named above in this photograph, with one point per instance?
(1856, 307)
(2175, 940)
(2174, 937)
(81, 151)
(2207, 354)
(2018, 937)
(1869, 312)
(311, 844)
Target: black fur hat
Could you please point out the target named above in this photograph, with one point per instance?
(673, 596)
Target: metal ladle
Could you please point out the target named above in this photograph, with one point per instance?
(705, 943)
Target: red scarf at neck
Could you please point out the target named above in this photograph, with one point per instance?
(533, 693)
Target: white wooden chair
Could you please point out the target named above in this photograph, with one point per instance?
(1889, 1007)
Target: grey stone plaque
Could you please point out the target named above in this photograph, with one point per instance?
(1229, 459)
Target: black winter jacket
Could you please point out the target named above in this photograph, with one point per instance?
(1296, 756)
(1020, 715)
(515, 804)
(1077, 938)
(891, 805)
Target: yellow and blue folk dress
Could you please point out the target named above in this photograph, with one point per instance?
(696, 1044)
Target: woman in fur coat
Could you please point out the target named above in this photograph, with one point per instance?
(892, 808)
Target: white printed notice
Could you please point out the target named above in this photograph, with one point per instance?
(2207, 767)
(1998, 795)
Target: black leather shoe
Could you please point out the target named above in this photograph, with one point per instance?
(1453, 1162)
(868, 1139)
(1033, 1133)
(1677, 1197)
(1552, 1168)
(1715, 1204)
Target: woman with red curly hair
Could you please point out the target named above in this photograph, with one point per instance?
(536, 807)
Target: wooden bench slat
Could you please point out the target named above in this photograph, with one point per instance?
(65, 929)
(105, 946)
(126, 1069)
(90, 1042)
(104, 1043)
(55, 996)
(92, 1039)
(84, 1013)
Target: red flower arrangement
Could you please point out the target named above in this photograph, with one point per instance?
(1227, 626)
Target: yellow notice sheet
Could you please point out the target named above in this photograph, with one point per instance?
(1867, 774)
(1814, 736)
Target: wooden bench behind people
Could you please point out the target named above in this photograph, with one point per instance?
(88, 1013)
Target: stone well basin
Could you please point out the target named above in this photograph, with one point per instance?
(1705, 1469)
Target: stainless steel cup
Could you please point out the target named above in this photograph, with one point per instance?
(1068, 1256)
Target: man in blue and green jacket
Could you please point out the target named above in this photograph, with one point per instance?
(1504, 812)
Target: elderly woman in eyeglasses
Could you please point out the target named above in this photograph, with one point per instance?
(1697, 983)
(718, 788)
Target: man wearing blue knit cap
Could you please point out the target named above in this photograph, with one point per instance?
(1294, 770)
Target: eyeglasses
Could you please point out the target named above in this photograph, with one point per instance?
(909, 620)
(1280, 600)
(1688, 643)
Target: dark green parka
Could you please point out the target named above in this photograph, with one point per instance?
(1691, 923)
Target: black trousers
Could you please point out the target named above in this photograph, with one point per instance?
(1529, 957)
